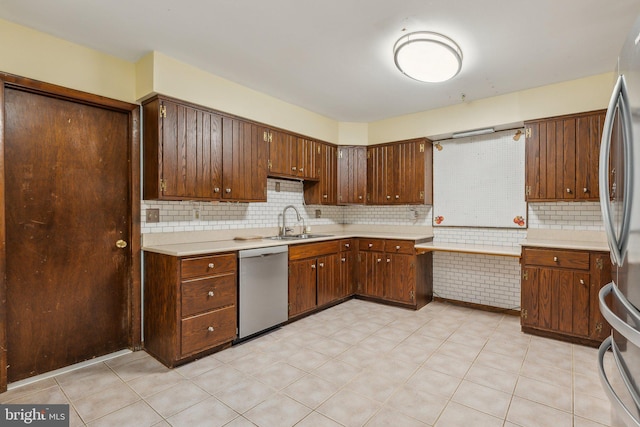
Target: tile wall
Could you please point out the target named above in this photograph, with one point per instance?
(488, 280)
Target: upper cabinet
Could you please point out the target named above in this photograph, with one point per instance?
(352, 175)
(192, 153)
(561, 157)
(182, 152)
(292, 156)
(400, 173)
(324, 191)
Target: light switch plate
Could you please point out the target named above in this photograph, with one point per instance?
(153, 215)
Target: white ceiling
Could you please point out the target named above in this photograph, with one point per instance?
(334, 57)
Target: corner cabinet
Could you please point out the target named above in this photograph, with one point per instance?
(189, 305)
(352, 175)
(400, 173)
(562, 156)
(193, 153)
(392, 271)
(560, 294)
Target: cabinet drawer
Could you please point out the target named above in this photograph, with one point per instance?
(371, 245)
(400, 247)
(557, 258)
(208, 330)
(207, 294)
(346, 245)
(208, 265)
(312, 250)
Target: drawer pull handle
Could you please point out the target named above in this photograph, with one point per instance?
(555, 259)
(210, 329)
(370, 245)
(343, 259)
(397, 248)
(346, 245)
(210, 293)
(211, 265)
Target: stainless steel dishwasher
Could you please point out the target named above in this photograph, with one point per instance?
(263, 289)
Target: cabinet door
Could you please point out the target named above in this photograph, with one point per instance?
(414, 162)
(371, 273)
(573, 302)
(400, 280)
(281, 152)
(306, 159)
(588, 136)
(347, 285)
(328, 279)
(600, 270)
(191, 152)
(328, 174)
(380, 175)
(529, 292)
(244, 167)
(352, 175)
(302, 286)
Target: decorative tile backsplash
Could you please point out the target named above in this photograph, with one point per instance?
(566, 216)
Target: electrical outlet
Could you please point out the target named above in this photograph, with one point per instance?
(277, 187)
(318, 213)
(153, 215)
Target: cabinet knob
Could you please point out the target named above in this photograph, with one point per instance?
(210, 329)
(216, 190)
(388, 197)
(555, 259)
(568, 190)
(211, 265)
(313, 266)
(293, 168)
(324, 196)
(585, 190)
(359, 197)
(343, 259)
(228, 190)
(370, 245)
(388, 259)
(397, 248)
(346, 245)
(582, 281)
(379, 260)
(397, 197)
(210, 293)
(301, 169)
(321, 264)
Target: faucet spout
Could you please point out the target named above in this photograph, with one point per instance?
(286, 229)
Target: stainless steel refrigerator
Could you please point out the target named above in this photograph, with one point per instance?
(620, 204)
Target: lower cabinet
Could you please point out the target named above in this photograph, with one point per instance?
(189, 305)
(390, 270)
(559, 291)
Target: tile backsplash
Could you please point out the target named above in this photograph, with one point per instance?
(566, 216)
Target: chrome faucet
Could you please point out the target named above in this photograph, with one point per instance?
(284, 230)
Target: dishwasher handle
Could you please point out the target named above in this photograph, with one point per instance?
(262, 252)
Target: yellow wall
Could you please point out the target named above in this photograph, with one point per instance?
(590, 93)
(29, 53)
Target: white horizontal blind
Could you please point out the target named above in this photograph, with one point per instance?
(479, 181)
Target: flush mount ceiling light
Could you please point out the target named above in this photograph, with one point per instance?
(427, 57)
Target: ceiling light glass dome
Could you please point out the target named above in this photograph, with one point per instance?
(427, 56)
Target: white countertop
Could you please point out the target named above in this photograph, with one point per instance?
(185, 244)
(566, 239)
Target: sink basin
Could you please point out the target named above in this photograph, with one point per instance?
(297, 236)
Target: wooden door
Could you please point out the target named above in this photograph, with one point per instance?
(306, 159)
(600, 275)
(371, 273)
(573, 302)
(329, 174)
(244, 161)
(352, 175)
(375, 178)
(529, 294)
(328, 279)
(400, 280)
(68, 201)
(280, 146)
(588, 137)
(346, 283)
(302, 286)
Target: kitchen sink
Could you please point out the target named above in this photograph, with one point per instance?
(298, 236)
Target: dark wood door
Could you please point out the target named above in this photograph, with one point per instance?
(400, 283)
(280, 153)
(371, 273)
(67, 204)
(329, 174)
(573, 302)
(529, 294)
(328, 279)
(306, 158)
(588, 137)
(302, 286)
(375, 180)
(244, 161)
(352, 175)
(346, 283)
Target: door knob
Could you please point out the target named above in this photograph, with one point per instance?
(121, 244)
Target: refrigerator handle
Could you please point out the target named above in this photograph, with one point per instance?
(624, 328)
(629, 419)
(619, 100)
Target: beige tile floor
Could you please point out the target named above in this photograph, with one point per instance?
(358, 363)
